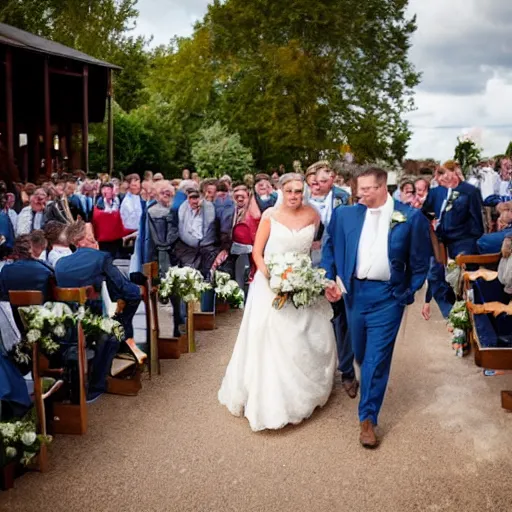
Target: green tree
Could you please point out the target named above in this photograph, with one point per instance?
(217, 152)
(508, 152)
(295, 82)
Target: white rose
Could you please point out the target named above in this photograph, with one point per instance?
(7, 430)
(59, 331)
(106, 325)
(28, 438)
(11, 452)
(33, 335)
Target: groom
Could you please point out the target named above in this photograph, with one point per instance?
(380, 251)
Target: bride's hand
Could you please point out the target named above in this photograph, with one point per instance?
(265, 272)
(333, 292)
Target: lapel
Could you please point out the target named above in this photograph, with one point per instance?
(353, 235)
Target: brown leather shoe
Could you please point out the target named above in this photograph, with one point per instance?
(351, 387)
(368, 437)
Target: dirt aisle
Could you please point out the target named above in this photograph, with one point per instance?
(447, 445)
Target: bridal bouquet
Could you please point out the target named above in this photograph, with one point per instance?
(293, 278)
(186, 283)
(228, 290)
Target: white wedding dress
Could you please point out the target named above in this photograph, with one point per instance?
(283, 362)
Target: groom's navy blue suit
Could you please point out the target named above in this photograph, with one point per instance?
(375, 308)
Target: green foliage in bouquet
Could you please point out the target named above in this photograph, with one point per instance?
(186, 283)
(217, 152)
(467, 153)
(227, 289)
(459, 316)
(19, 440)
(95, 325)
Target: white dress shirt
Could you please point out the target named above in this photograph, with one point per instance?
(372, 252)
(131, 211)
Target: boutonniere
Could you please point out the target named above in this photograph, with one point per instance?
(453, 197)
(397, 218)
(337, 202)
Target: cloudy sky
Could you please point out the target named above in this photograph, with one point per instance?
(462, 47)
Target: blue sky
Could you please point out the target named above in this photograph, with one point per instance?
(462, 47)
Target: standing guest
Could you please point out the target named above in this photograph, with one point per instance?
(77, 202)
(88, 266)
(224, 213)
(108, 202)
(208, 189)
(116, 183)
(148, 176)
(249, 181)
(422, 187)
(158, 177)
(264, 194)
(107, 222)
(58, 246)
(325, 201)
(26, 272)
(132, 205)
(185, 174)
(195, 177)
(228, 181)
(148, 190)
(87, 199)
(8, 210)
(457, 207)
(407, 192)
(379, 251)
(31, 217)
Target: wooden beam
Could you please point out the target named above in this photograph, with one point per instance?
(47, 121)
(110, 138)
(56, 71)
(85, 123)
(9, 129)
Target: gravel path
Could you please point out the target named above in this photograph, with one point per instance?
(447, 444)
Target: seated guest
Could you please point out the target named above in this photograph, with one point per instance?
(58, 247)
(132, 206)
(457, 207)
(32, 216)
(503, 184)
(39, 245)
(88, 266)
(26, 272)
(491, 243)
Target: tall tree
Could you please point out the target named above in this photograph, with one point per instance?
(299, 80)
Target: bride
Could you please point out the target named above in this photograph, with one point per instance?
(283, 362)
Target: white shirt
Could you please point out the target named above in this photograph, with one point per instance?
(372, 252)
(131, 211)
(57, 253)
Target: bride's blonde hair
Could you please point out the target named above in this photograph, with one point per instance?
(290, 176)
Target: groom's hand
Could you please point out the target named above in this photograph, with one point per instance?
(333, 293)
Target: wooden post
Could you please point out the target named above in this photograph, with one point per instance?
(8, 105)
(110, 147)
(190, 327)
(85, 123)
(47, 121)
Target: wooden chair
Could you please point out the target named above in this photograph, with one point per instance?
(150, 271)
(20, 298)
(491, 358)
(166, 347)
(72, 418)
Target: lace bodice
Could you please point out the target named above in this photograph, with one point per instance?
(283, 239)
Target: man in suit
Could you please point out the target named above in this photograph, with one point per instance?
(88, 266)
(380, 250)
(325, 199)
(457, 208)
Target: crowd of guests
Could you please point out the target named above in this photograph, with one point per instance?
(72, 228)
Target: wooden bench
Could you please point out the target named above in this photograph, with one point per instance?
(490, 358)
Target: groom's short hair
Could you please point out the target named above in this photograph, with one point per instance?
(380, 175)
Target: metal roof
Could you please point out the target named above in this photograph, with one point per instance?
(12, 36)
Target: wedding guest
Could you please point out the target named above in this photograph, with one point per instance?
(27, 271)
(422, 187)
(208, 189)
(132, 205)
(491, 243)
(407, 192)
(457, 207)
(31, 217)
(8, 210)
(185, 174)
(325, 202)
(158, 177)
(88, 266)
(58, 246)
(108, 202)
(77, 202)
(38, 245)
(504, 169)
(195, 177)
(264, 194)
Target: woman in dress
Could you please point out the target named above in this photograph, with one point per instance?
(283, 362)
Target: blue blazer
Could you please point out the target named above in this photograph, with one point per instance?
(409, 250)
(464, 220)
(90, 267)
(25, 275)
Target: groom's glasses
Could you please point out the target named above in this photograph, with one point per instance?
(365, 190)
